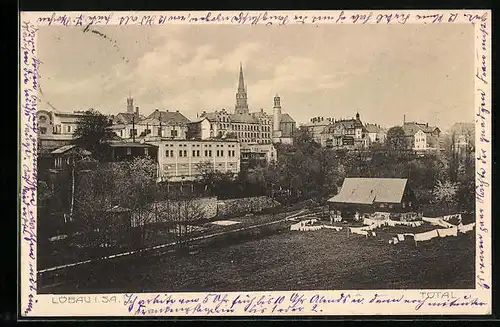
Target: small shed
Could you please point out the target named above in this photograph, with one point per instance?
(367, 195)
(63, 155)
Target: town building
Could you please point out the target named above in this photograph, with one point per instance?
(122, 150)
(131, 124)
(376, 133)
(345, 134)
(243, 125)
(283, 125)
(185, 160)
(55, 129)
(316, 126)
(62, 161)
(421, 137)
(368, 195)
(260, 153)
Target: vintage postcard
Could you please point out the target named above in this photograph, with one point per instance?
(263, 163)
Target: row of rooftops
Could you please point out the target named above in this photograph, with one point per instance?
(175, 117)
(331, 124)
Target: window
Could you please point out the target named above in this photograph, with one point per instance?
(43, 130)
(68, 129)
(222, 153)
(173, 133)
(129, 151)
(167, 153)
(197, 153)
(206, 153)
(146, 151)
(171, 153)
(185, 153)
(194, 153)
(217, 153)
(209, 153)
(133, 132)
(160, 131)
(180, 153)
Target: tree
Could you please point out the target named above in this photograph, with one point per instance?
(180, 212)
(396, 139)
(128, 185)
(445, 194)
(91, 131)
(303, 140)
(219, 183)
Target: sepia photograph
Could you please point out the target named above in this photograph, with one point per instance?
(222, 158)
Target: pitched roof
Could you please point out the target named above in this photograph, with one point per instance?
(126, 117)
(370, 190)
(169, 117)
(63, 149)
(67, 148)
(234, 118)
(347, 124)
(411, 128)
(286, 118)
(199, 120)
(373, 128)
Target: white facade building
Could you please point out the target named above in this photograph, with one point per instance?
(183, 160)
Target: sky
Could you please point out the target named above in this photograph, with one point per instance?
(423, 72)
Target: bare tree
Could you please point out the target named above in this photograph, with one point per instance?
(181, 212)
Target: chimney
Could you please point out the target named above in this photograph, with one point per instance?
(177, 111)
(404, 119)
(137, 111)
(427, 125)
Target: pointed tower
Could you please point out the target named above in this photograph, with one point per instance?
(276, 119)
(276, 113)
(130, 104)
(241, 96)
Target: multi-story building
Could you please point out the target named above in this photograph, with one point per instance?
(376, 133)
(263, 153)
(317, 125)
(421, 136)
(131, 124)
(55, 129)
(184, 160)
(345, 133)
(243, 125)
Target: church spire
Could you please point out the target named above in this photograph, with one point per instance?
(241, 95)
(241, 83)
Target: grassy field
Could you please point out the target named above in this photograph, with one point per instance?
(322, 259)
